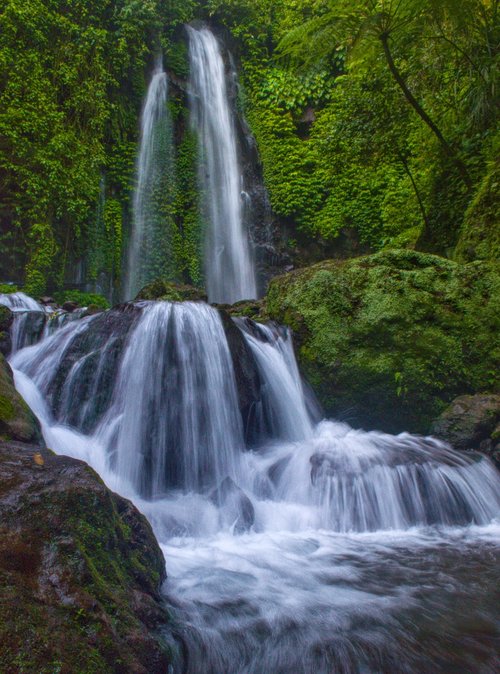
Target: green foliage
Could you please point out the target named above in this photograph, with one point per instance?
(7, 289)
(43, 253)
(82, 299)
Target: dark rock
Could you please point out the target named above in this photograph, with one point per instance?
(47, 301)
(70, 306)
(237, 506)
(6, 318)
(17, 421)
(171, 292)
(388, 340)
(80, 571)
(248, 381)
(471, 422)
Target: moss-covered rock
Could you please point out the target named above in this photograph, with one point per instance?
(388, 340)
(80, 572)
(6, 318)
(17, 421)
(171, 292)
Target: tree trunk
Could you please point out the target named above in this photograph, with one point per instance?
(384, 38)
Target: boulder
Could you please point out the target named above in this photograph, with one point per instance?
(248, 381)
(17, 421)
(70, 306)
(471, 422)
(80, 572)
(171, 292)
(389, 340)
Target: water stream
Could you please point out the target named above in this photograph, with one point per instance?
(149, 253)
(324, 549)
(229, 268)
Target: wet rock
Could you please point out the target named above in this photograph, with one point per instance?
(248, 381)
(6, 318)
(471, 422)
(47, 301)
(70, 306)
(171, 292)
(17, 421)
(238, 508)
(80, 571)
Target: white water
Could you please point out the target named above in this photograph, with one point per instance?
(148, 247)
(365, 552)
(229, 269)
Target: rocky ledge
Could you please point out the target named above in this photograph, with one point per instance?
(80, 572)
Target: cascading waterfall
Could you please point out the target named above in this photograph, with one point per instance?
(325, 549)
(150, 254)
(229, 269)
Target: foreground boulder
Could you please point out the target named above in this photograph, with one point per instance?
(389, 340)
(80, 572)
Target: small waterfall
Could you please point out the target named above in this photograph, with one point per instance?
(149, 249)
(284, 403)
(29, 319)
(229, 269)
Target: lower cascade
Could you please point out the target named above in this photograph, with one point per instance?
(312, 547)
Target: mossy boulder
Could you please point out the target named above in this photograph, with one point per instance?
(6, 318)
(80, 572)
(388, 340)
(17, 421)
(171, 292)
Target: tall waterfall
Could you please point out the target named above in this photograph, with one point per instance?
(324, 549)
(229, 269)
(150, 242)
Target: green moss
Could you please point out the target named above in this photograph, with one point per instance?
(171, 292)
(389, 339)
(17, 422)
(82, 299)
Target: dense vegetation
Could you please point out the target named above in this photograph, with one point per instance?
(376, 123)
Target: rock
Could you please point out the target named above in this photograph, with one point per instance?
(47, 301)
(389, 340)
(70, 306)
(171, 292)
(17, 421)
(6, 318)
(471, 422)
(248, 381)
(237, 507)
(80, 572)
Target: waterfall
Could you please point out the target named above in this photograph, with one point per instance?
(229, 270)
(323, 549)
(150, 241)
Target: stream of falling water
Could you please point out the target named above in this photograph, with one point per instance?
(325, 549)
(229, 269)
